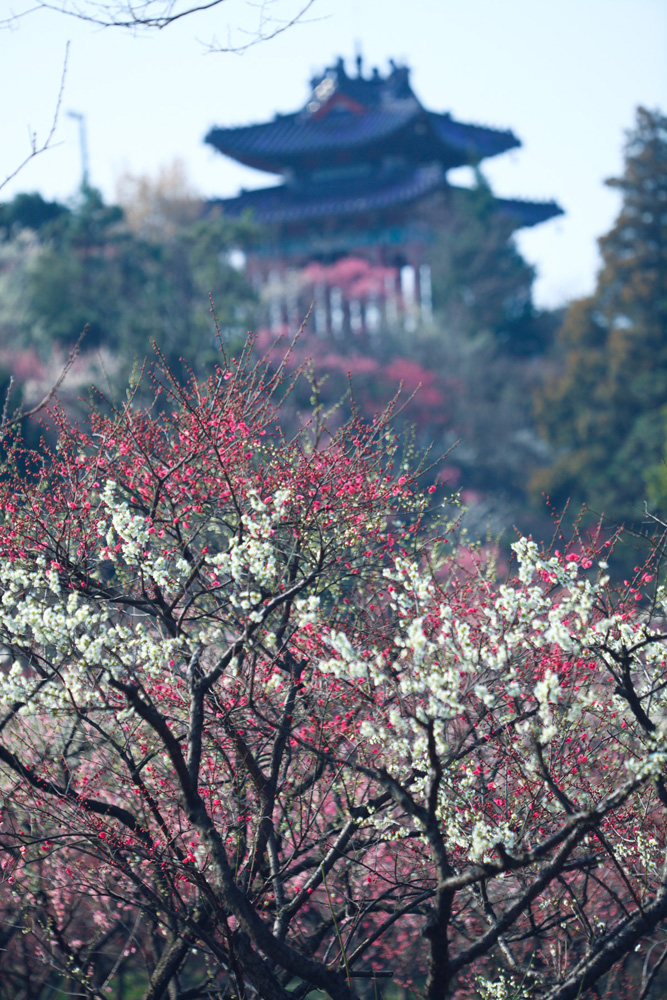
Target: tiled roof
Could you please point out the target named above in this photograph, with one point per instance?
(527, 213)
(302, 140)
(284, 141)
(335, 198)
(339, 197)
(476, 140)
(360, 144)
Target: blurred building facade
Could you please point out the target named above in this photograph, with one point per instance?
(363, 169)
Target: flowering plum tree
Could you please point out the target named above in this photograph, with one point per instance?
(259, 737)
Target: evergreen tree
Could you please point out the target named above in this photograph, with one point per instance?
(28, 211)
(605, 412)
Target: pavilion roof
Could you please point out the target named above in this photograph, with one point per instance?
(353, 196)
(349, 196)
(352, 119)
(527, 213)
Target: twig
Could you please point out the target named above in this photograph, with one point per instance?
(20, 414)
(131, 18)
(262, 35)
(35, 149)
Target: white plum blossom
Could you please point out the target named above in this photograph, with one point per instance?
(444, 658)
(484, 839)
(306, 609)
(502, 987)
(548, 692)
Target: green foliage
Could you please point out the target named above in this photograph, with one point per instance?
(481, 283)
(604, 413)
(485, 347)
(90, 269)
(144, 272)
(28, 211)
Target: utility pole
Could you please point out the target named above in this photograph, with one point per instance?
(83, 143)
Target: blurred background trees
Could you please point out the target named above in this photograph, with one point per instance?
(481, 282)
(574, 404)
(134, 273)
(604, 412)
(141, 271)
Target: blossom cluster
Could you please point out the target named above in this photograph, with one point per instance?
(505, 658)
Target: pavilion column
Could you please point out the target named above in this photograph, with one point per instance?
(294, 318)
(356, 316)
(275, 300)
(425, 293)
(390, 301)
(321, 310)
(409, 296)
(337, 307)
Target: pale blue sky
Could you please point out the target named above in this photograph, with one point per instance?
(565, 76)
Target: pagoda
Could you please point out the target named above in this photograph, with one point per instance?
(364, 173)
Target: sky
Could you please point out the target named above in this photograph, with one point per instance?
(565, 76)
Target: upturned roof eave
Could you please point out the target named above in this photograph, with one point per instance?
(249, 159)
(466, 145)
(475, 142)
(528, 213)
(524, 214)
(281, 204)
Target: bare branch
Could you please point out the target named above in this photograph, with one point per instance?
(155, 15)
(36, 148)
(8, 421)
(267, 29)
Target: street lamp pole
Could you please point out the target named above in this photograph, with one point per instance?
(83, 143)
